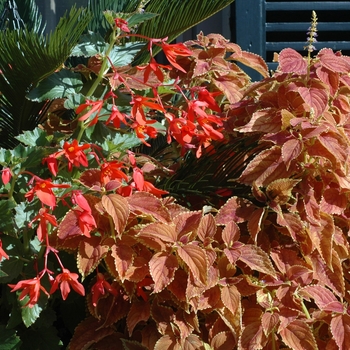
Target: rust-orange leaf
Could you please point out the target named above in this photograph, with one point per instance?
(196, 260)
(123, 259)
(90, 253)
(163, 266)
(298, 336)
(231, 298)
(257, 259)
(340, 328)
(140, 311)
(118, 208)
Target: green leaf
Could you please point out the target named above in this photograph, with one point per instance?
(89, 45)
(6, 222)
(8, 339)
(3, 274)
(74, 100)
(138, 18)
(124, 55)
(12, 268)
(24, 213)
(31, 314)
(36, 137)
(57, 85)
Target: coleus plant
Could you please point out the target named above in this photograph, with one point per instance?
(83, 208)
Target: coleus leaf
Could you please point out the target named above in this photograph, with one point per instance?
(267, 166)
(280, 190)
(298, 336)
(132, 345)
(187, 223)
(291, 150)
(223, 340)
(290, 61)
(160, 233)
(206, 228)
(228, 85)
(251, 60)
(257, 259)
(123, 259)
(196, 260)
(269, 322)
(235, 209)
(266, 121)
(231, 298)
(117, 207)
(162, 267)
(316, 97)
(90, 253)
(87, 333)
(324, 298)
(340, 328)
(230, 233)
(333, 62)
(146, 203)
(139, 311)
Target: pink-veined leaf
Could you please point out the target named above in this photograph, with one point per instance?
(159, 231)
(340, 328)
(123, 259)
(196, 260)
(331, 79)
(267, 166)
(316, 98)
(235, 209)
(251, 60)
(291, 150)
(162, 267)
(231, 298)
(228, 85)
(140, 310)
(336, 146)
(269, 322)
(298, 336)
(90, 253)
(280, 190)
(266, 121)
(323, 297)
(223, 340)
(290, 61)
(147, 203)
(167, 342)
(187, 222)
(206, 227)
(230, 233)
(69, 226)
(333, 62)
(254, 222)
(333, 202)
(117, 207)
(257, 259)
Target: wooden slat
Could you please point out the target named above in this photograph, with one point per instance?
(303, 26)
(307, 5)
(299, 46)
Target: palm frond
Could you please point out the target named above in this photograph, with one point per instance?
(26, 57)
(175, 17)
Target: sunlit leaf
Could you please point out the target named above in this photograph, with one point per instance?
(340, 328)
(139, 311)
(290, 61)
(162, 267)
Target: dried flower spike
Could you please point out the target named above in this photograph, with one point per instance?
(312, 34)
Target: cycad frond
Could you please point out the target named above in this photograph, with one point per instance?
(26, 57)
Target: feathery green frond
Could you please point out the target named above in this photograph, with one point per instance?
(26, 51)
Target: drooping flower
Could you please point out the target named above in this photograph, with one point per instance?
(112, 171)
(44, 218)
(117, 117)
(3, 254)
(65, 280)
(100, 287)
(153, 67)
(139, 103)
(171, 51)
(31, 288)
(142, 130)
(96, 107)
(6, 175)
(43, 190)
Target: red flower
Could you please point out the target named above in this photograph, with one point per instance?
(142, 185)
(171, 51)
(142, 130)
(112, 171)
(67, 279)
(31, 288)
(2, 252)
(75, 154)
(96, 107)
(100, 287)
(116, 117)
(6, 175)
(154, 67)
(182, 130)
(146, 282)
(122, 24)
(208, 97)
(44, 218)
(43, 190)
(139, 103)
(51, 162)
